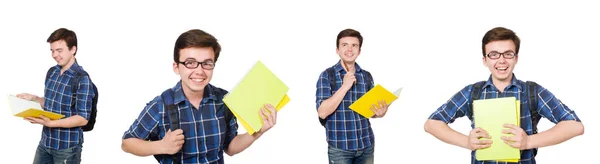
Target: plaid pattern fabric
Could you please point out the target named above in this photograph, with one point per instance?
(58, 98)
(205, 129)
(346, 129)
(548, 107)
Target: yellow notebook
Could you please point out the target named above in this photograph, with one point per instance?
(251, 131)
(518, 124)
(258, 87)
(491, 115)
(25, 108)
(363, 105)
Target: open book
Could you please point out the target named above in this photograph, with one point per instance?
(25, 108)
(364, 104)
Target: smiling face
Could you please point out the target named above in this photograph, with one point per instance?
(502, 67)
(62, 54)
(348, 49)
(193, 80)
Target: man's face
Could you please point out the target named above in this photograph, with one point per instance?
(348, 49)
(195, 79)
(501, 59)
(61, 53)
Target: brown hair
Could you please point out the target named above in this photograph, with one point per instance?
(349, 33)
(196, 38)
(66, 35)
(500, 33)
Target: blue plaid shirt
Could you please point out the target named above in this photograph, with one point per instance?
(205, 130)
(58, 98)
(548, 106)
(345, 128)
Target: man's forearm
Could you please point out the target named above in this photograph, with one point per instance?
(140, 147)
(443, 132)
(561, 132)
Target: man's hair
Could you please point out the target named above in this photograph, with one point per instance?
(66, 35)
(198, 39)
(349, 33)
(497, 34)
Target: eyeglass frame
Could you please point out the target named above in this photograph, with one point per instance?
(503, 54)
(198, 64)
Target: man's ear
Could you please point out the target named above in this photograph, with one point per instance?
(176, 68)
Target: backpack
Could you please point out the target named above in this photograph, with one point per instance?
(531, 95)
(172, 109)
(79, 73)
(332, 84)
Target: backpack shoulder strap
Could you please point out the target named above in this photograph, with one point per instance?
(167, 97)
(369, 79)
(532, 95)
(331, 74)
(475, 93)
(332, 83)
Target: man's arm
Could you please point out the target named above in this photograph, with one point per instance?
(328, 106)
(561, 132)
(140, 147)
(443, 132)
(69, 122)
(32, 97)
(243, 141)
(568, 124)
(170, 144)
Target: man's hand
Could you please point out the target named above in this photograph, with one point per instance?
(172, 142)
(380, 109)
(28, 96)
(474, 139)
(269, 118)
(519, 140)
(349, 80)
(42, 120)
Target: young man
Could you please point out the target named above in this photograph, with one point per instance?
(62, 139)
(500, 48)
(349, 134)
(204, 131)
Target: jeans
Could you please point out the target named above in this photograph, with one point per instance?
(50, 156)
(339, 156)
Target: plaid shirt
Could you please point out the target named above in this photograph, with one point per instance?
(548, 106)
(205, 130)
(345, 128)
(58, 98)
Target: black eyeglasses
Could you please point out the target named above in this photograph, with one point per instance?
(192, 64)
(496, 55)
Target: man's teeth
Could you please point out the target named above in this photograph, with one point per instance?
(197, 80)
(502, 69)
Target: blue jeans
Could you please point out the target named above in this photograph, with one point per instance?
(340, 156)
(50, 156)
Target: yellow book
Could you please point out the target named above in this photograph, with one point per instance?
(518, 124)
(25, 108)
(491, 115)
(258, 87)
(364, 104)
(251, 131)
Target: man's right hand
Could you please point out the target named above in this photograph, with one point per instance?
(172, 142)
(27, 96)
(474, 139)
(349, 80)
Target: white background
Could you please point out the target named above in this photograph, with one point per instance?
(433, 49)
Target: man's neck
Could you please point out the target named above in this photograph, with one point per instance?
(348, 66)
(502, 84)
(194, 97)
(66, 67)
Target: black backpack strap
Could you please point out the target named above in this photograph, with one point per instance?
(475, 93)
(369, 79)
(332, 84)
(167, 97)
(532, 95)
